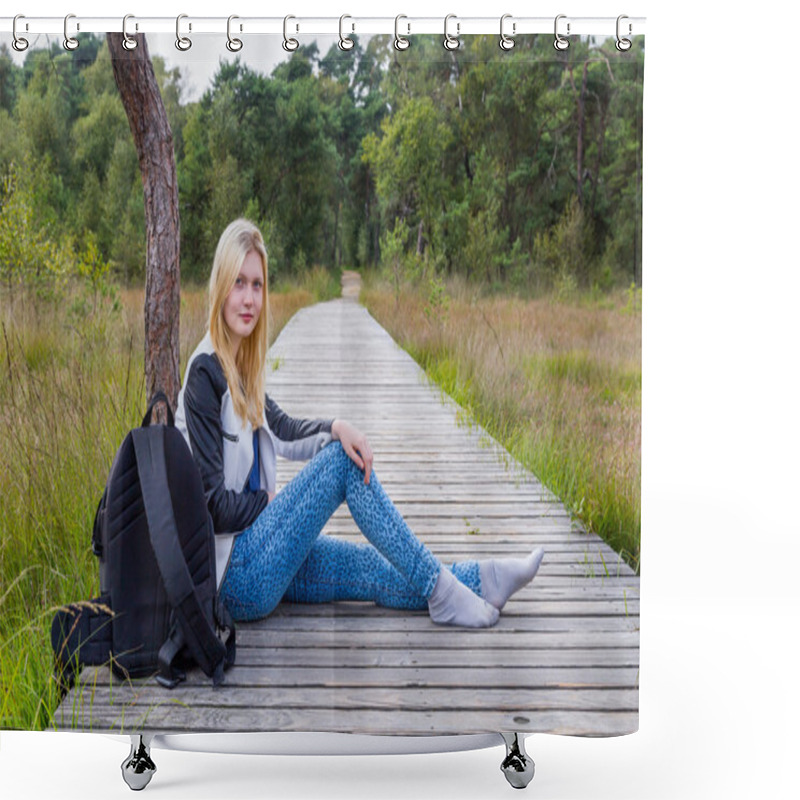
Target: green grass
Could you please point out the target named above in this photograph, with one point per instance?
(71, 386)
(70, 390)
(557, 383)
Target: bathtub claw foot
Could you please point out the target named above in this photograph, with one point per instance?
(518, 766)
(138, 768)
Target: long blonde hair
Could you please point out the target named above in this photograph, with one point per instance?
(246, 371)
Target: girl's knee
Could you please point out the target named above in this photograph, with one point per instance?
(337, 453)
(335, 450)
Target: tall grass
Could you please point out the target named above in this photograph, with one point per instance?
(557, 382)
(71, 386)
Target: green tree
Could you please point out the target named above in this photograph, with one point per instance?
(407, 160)
(28, 257)
(10, 75)
(121, 230)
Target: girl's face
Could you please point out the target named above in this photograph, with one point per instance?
(243, 304)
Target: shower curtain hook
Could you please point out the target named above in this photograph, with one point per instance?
(289, 45)
(344, 42)
(451, 42)
(234, 45)
(506, 42)
(70, 42)
(19, 44)
(183, 43)
(560, 42)
(127, 42)
(623, 44)
(400, 42)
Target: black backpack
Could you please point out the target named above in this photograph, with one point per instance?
(158, 608)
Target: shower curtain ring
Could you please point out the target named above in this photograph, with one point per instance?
(70, 42)
(560, 42)
(234, 45)
(19, 44)
(400, 42)
(623, 44)
(183, 43)
(127, 42)
(506, 42)
(451, 42)
(289, 45)
(344, 42)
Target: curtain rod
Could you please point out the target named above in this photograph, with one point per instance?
(347, 25)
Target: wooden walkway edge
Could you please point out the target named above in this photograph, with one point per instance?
(564, 657)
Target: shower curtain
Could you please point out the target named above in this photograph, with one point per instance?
(483, 190)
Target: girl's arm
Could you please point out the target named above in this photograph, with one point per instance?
(205, 386)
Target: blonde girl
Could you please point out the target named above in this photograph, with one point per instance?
(269, 544)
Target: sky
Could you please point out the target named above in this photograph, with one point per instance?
(199, 64)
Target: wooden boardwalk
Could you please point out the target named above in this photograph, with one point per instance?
(564, 657)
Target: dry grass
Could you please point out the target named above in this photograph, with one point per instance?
(558, 383)
(71, 386)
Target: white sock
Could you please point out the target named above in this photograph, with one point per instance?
(453, 603)
(501, 577)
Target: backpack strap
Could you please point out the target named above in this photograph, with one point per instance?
(225, 622)
(207, 649)
(169, 675)
(97, 528)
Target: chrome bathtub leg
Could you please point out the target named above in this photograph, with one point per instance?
(518, 766)
(138, 768)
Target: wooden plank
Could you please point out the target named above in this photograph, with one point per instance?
(486, 510)
(380, 639)
(529, 676)
(419, 626)
(456, 532)
(436, 658)
(447, 496)
(172, 718)
(570, 607)
(558, 548)
(390, 698)
(571, 589)
(509, 528)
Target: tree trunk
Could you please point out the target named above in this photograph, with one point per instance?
(136, 81)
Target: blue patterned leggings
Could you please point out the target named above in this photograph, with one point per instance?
(284, 555)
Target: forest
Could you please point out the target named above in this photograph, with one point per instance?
(518, 171)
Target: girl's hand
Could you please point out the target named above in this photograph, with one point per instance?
(355, 444)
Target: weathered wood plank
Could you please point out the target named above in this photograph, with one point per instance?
(419, 625)
(448, 508)
(389, 698)
(436, 658)
(613, 608)
(529, 676)
(379, 639)
(171, 718)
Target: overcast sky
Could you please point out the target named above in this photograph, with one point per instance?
(199, 64)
